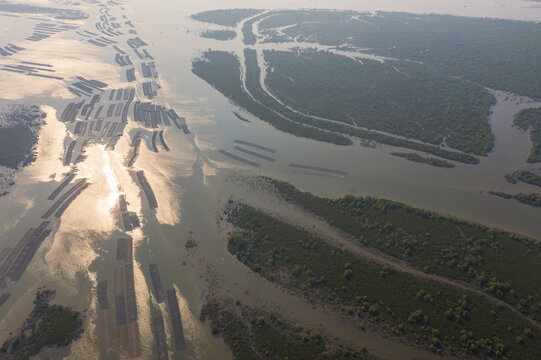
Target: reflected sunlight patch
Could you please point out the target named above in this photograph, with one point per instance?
(193, 328)
(142, 295)
(69, 253)
(92, 209)
(161, 171)
(50, 148)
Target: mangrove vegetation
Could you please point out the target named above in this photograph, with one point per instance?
(498, 54)
(222, 35)
(433, 315)
(222, 71)
(255, 333)
(47, 325)
(530, 119)
(502, 264)
(19, 128)
(230, 17)
(397, 97)
(424, 160)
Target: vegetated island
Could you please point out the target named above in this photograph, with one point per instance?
(497, 262)
(229, 17)
(398, 97)
(530, 119)
(19, 129)
(47, 325)
(222, 71)
(511, 178)
(501, 194)
(424, 160)
(256, 333)
(439, 317)
(529, 199)
(495, 53)
(528, 177)
(222, 35)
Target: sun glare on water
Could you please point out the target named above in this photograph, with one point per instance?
(93, 209)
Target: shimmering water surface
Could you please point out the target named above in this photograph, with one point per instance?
(193, 181)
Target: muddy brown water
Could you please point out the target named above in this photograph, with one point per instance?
(193, 181)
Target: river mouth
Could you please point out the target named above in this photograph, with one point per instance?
(194, 181)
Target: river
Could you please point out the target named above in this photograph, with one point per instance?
(194, 181)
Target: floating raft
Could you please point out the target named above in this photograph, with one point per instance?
(152, 202)
(161, 338)
(60, 200)
(122, 338)
(149, 70)
(134, 341)
(122, 203)
(178, 332)
(130, 293)
(130, 75)
(162, 140)
(128, 96)
(241, 159)
(260, 147)
(103, 302)
(165, 119)
(25, 250)
(106, 333)
(45, 76)
(70, 111)
(4, 253)
(97, 114)
(147, 54)
(110, 110)
(320, 169)
(80, 128)
(135, 152)
(130, 220)
(240, 117)
(69, 151)
(119, 281)
(120, 305)
(148, 91)
(5, 297)
(119, 50)
(154, 146)
(71, 199)
(120, 308)
(11, 258)
(254, 154)
(180, 122)
(124, 249)
(157, 283)
(155, 116)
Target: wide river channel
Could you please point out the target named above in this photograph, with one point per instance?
(194, 181)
